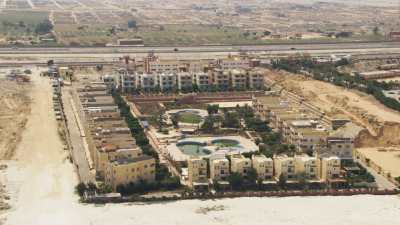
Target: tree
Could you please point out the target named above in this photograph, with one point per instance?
(175, 120)
(21, 24)
(208, 124)
(252, 175)
(282, 181)
(303, 180)
(132, 24)
(104, 188)
(376, 30)
(91, 186)
(231, 120)
(212, 109)
(44, 27)
(80, 189)
(236, 180)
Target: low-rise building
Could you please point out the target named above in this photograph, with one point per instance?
(219, 169)
(330, 168)
(125, 170)
(284, 165)
(308, 166)
(264, 167)
(240, 164)
(197, 172)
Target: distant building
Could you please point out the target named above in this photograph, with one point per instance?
(130, 42)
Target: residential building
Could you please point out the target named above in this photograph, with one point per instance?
(185, 81)
(308, 166)
(284, 165)
(219, 169)
(238, 79)
(240, 164)
(203, 80)
(167, 81)
(264, 166)
(197, 172)
(125, 170)
(330, 168)
(255, 80)
(220, 79)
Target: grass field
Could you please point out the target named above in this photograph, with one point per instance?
(187, 117)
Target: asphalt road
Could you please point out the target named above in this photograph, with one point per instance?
(218, 48)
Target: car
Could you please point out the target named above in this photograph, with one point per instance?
(176, 49)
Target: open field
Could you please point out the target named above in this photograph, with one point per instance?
(14, 111)
(388, 159)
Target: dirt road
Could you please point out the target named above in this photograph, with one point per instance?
(45, 176)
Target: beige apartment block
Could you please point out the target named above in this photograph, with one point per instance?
(238, 78)
(264, 167)
(255, 80)
(221, 78)
(197, 171)
(307, 165)
(125, 170)
(330, 168)
(219, 169)
(110, 153)
(185, 81)
(240, 164)
(284, 165)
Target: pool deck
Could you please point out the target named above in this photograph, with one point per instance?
(246, 145)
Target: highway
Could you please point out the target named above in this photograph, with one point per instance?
(211, 48)
(108, 55)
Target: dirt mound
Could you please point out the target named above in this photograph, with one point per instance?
(388, 135)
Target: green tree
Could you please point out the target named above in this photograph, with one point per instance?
(252, 175)
(81, 188)
(231, 120)
(282, 181)
(235, 180)
(212, 109)
(175, 120)
(44, 27)
(208, 124)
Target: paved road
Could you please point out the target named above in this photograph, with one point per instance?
(209, 48)
(78, 150)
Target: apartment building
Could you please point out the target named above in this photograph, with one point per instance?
(221, 79)
(330, 168)
(306, 135)
(116, 157)
(202, 80)
(147, 82)
(197, 172)
(125, 170)
(284, 165)
(255, 80)
(238, 79)
(185, 81)
(233, 63)
(219, 169)
(127, 81)
(240, 164)
(167, 81)
(264, 166)
(307, 165)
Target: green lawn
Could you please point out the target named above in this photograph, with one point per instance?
(187, 117)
